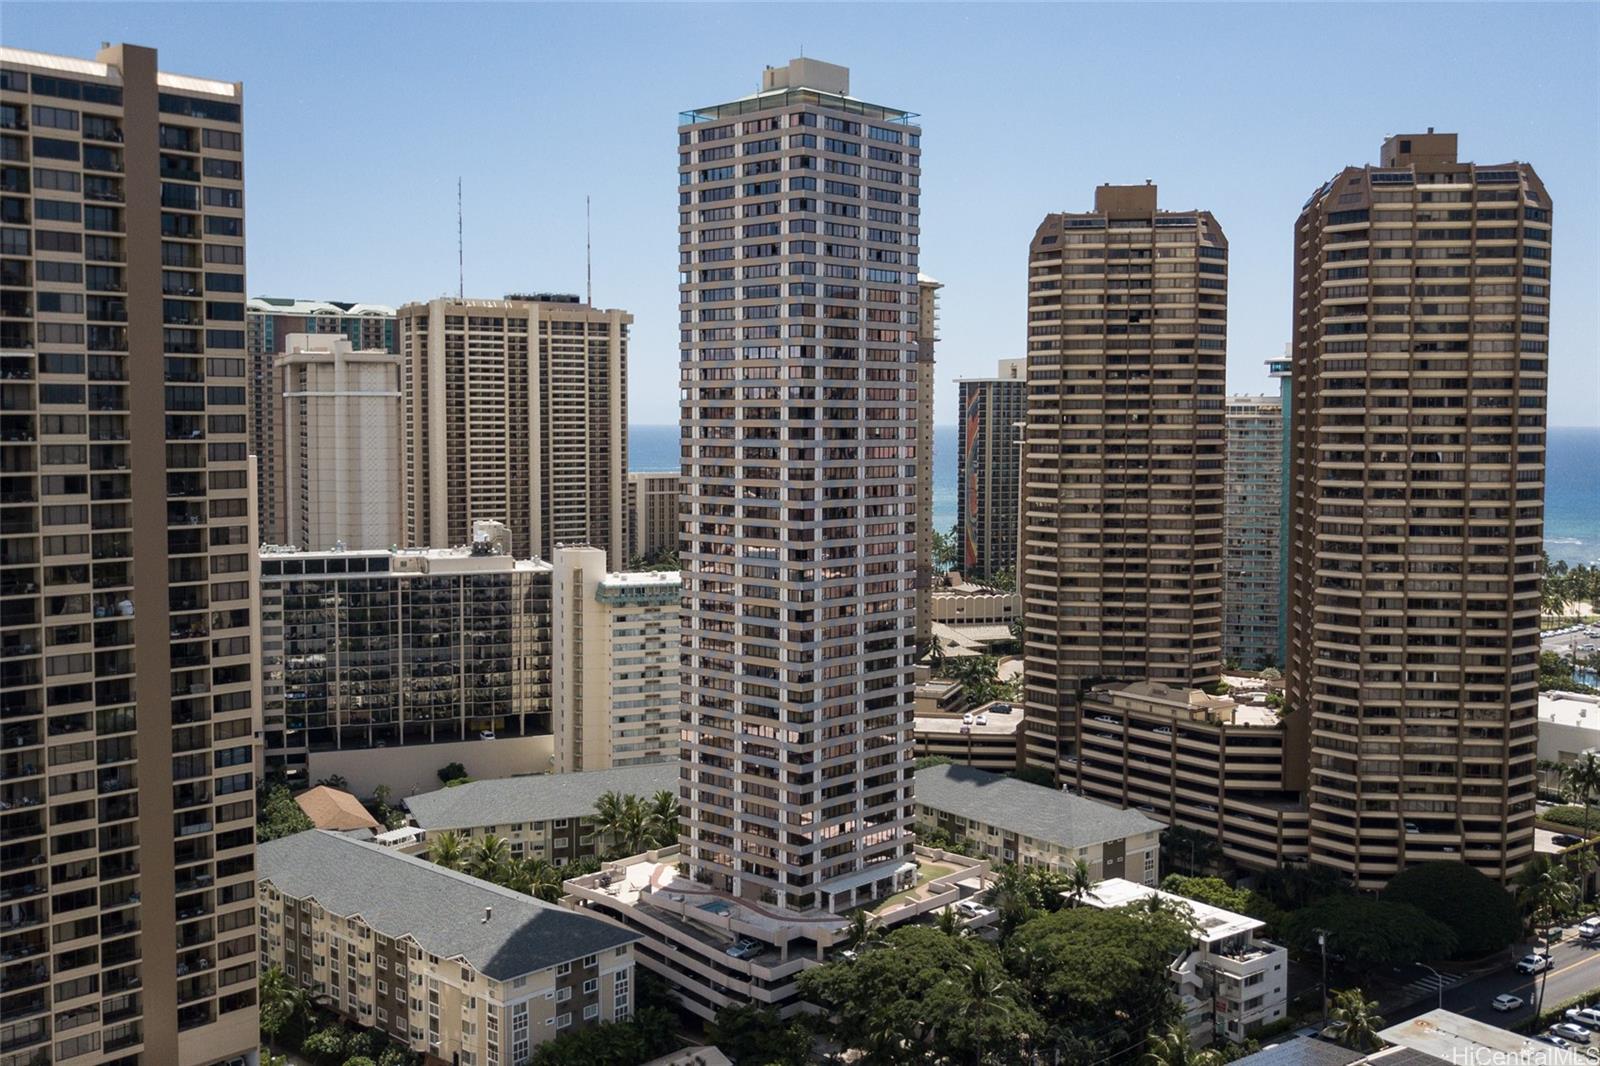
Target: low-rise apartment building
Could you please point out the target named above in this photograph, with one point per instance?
(458, 969)
(1013, 821)
(542, 816)
(614, 662)
(1188, 758)
(1230, 981)
(384, 666)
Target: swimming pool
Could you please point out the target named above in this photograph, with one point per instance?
(718, 907)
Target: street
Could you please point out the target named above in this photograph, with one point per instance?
(1576, 972)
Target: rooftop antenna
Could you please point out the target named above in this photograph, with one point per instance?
(588, 255)
(461, 259)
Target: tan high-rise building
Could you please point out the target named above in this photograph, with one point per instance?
(990, 412)
(516, 410)
(799, 306)
(653, 514)
(614, 663)
(1122, 467)
(1417, 491)
(1251, 586)
(927, 335)
(339, 409)
(127, 573)
(269, 322)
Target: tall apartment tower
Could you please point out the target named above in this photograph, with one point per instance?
(988, 469)
(1422, 303)
(927, 333)
(516, 410)
(799, 343)
(1282, 369)
(128, 626)
(269, 323)
(339, 409)
(1254, 494)
(1122, 468)
(652, 515)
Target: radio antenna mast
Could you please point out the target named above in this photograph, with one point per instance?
(588, 255)
(461, 259)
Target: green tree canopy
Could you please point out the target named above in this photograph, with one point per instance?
(1481, 913)
(755, 1036)
(1218, 893)
(280, 815)
(1369, 932)
(1100, 976)
(452, 772)
(649, 1034)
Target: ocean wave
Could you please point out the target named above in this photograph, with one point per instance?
(1562, 540)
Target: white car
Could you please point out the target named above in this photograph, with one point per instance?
(982, 719)
(966, 719)
(1589, 928)
(1533, 962)
(1506, 1001)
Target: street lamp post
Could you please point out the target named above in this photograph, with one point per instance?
(1438, 978)
(1322, 942)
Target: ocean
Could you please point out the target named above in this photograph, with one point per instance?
(1572, 486)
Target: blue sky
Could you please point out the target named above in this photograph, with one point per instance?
(359, 118)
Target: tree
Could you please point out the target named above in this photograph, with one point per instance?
(280, 815)
(537, 877)
(285, 1006)
(661, 819)
(359, 1060)
(1001, 581)
(1189, 850)
(980, 1007)
(979, 678)
(1174, 1048)
(1100, 975)
(752, 1035)
(1298, 885)
(1547, 894)
(1359, 1018)
(948, 922)
(927, 761)
(338, 781)
(1035, 775)
(947, 548)
(445, 850)
(452, 772)
(1580, 781)
(325, 1046)
(1079, 882)
(394, 1055)
(862, 932)
(1478, 910)
(488, 857)
(649, 1034)
(1369, 932)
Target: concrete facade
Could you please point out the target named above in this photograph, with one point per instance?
(1422, 301)
(1121, 572)
(127, 568)
(652, 515)
(373, 654)
(516, 411)
(614, 663)
(1251, 531)
(988, 469)
(339, 410)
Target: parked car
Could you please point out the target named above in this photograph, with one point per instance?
(982, 719)
(966, 719)
(1568, 1031)
(1588, 1017)
(1552, 1040)
(1565, 840)
(1533, 962)
(1589, 928)
(1334, 1030)
(1506, 1001)
(744, 948)
(971, 908)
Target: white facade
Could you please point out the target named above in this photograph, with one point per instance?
(1231, 981)
(614, 650)
(340, 449)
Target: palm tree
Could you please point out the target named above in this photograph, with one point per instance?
(1079, 883)
(948, 922)
(489, 857)
(285, 1005)
(1547, 893)
(445, 850)
(1359, 1016)
(862, 932)
(1581, 781)
(988, 999)
(1174, 1048)
(543, 879)
(623, 821)
(661, 817)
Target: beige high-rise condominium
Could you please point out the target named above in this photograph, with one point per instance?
(614, 663)
(653, 514)
(127, 570)
(339, 409)
(987, 470)
(798, 225)
(516, 410)
(269, 322)
(1418, 440)
(1122, 468)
